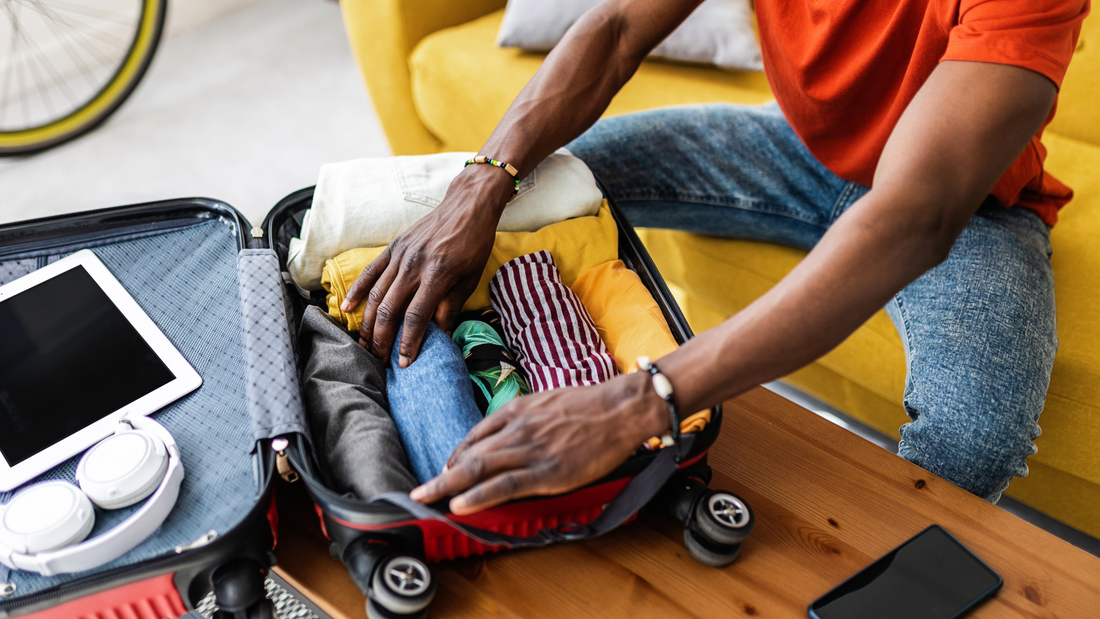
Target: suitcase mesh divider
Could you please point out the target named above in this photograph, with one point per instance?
(274, 392)
(187, 282)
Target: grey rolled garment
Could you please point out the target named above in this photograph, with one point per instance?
(345, 395)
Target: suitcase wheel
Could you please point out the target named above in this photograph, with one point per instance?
(239, 591)
(722, 518)
(402, 587)
(718, 523)
(710, 553)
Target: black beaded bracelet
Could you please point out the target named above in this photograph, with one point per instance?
(663, 387)
(507, 167)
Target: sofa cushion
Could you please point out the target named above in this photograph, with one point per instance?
(463, 83)
(1077, 103)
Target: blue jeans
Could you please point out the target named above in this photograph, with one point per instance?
(979, 329)
(431, 402)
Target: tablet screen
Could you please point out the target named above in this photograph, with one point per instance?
(68, 358)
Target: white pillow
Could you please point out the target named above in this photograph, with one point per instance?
(719, 32)
(368, 202)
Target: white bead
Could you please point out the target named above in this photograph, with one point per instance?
(643, 363)
(661, 385)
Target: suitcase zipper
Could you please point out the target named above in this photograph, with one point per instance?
(102, 236)
(282, 462)
(207, 537)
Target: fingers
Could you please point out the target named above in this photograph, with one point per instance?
(417, 315)
(484, 428)
(365, 281)
(389, 314)
(375, 296)
(514, 484)
(449, 309)
(470, 471)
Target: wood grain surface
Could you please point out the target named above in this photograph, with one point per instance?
(827, 503)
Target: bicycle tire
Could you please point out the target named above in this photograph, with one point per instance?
(106, 100)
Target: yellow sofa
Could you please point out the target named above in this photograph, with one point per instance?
(439, 83)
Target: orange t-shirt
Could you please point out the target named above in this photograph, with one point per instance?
(843, 71)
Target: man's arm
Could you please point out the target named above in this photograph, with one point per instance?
(960, 133)
(431, 269)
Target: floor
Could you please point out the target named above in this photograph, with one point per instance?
(245, 109)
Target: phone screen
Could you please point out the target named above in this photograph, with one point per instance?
(931, 576)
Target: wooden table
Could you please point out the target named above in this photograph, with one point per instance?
(827, 503)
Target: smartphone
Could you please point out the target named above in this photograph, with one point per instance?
(931, 576)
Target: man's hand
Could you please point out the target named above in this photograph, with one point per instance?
(433, 267)
(549, 443)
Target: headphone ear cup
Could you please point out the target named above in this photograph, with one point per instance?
(123, 469)
(46, 516)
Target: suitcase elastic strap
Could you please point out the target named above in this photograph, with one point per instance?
(633, 497)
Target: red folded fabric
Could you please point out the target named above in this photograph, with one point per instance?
(553, 336)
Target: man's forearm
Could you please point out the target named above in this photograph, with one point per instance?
(957, 137)
(576, 83)
(863, 260)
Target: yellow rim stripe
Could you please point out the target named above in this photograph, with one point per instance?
(105, 98)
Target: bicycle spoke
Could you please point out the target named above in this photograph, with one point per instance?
(37, 86)
(44, 62)
(66, 44)
(22, 85)
(91, 12)
(88, 30)
(7, 68)
(88, 45)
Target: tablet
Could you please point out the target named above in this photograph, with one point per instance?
(77, 354)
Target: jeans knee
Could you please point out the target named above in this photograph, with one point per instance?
(980, 453)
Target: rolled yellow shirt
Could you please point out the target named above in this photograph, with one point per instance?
(577, 245)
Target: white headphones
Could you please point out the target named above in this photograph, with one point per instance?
(42, 527)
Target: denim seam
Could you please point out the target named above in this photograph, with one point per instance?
(740, 203)
(842, 201)
(908, 345)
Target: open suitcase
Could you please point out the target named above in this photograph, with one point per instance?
(386, 543)
(197, 271)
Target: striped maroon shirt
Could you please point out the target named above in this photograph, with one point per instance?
(551, 333)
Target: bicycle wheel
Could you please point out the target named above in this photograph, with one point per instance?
(66, 65)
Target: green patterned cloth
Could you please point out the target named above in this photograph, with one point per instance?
(496, 375)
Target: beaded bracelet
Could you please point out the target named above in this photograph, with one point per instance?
(507, 167)
(663, 387)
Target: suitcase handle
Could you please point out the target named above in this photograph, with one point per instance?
(634, 496)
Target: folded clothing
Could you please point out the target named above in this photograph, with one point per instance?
(494, 372)
(579, 244)
(432, 402)
(630, 323)
(552, 334)
(345, 396)
(369, 202)
(627, 318)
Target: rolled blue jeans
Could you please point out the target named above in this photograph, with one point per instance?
(978, 330)
(431, 402)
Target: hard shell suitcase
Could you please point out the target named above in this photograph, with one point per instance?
(210, 285)
(387, 543)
